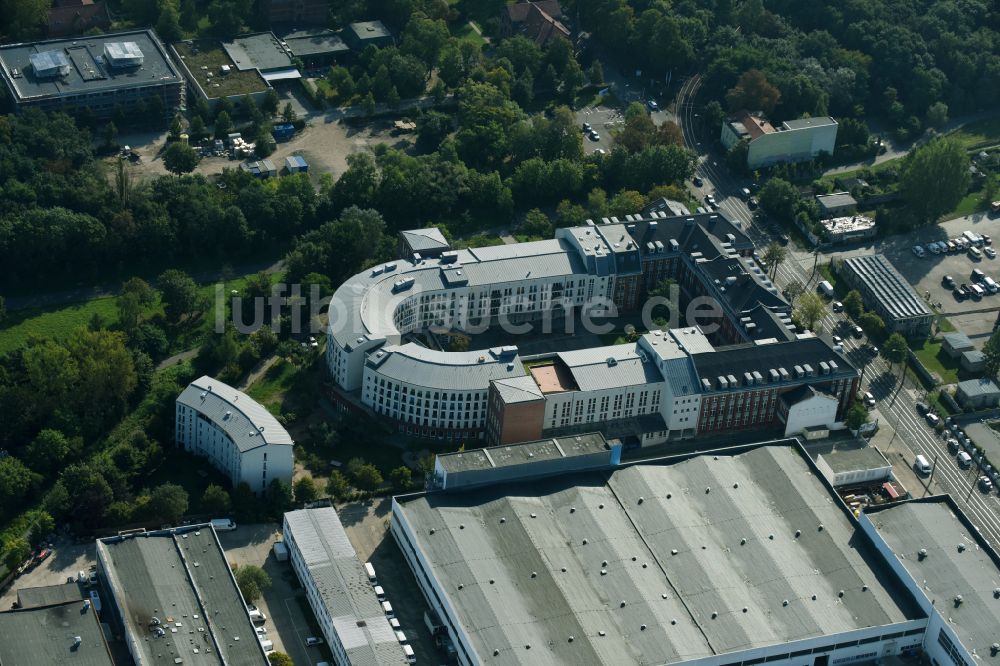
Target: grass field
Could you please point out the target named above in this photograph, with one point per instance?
(467, 33)
(286, 387)
(935, 360)
(20, 325)
(981, 132)
(210, 55)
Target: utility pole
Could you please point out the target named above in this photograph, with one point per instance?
(975, 477)
(931, 477)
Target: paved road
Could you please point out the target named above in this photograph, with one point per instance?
(896, 404)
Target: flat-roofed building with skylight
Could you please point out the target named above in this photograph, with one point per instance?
(96, 75)
(888, 293)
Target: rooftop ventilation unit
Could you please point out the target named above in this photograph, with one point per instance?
(723, 382)
(605, 220)
(123, 54)
(824, 368)
(449, 257)
(808, 370)
(784, 374)
(799, 372)
(758, 378)
(732, 380)
(402, 285)
(49, 64)
(774, 375)
(612, 361)
(833, 366)
(706, 385)
(747, 379)
(674, 245)
(659, 247)
(650, 247)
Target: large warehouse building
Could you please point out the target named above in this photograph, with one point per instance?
(173, 597)
(235, 432)
(745, 368)
(888, 294)
(97, 74)
(741, 556)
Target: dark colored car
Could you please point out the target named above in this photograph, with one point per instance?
(977, 275)
(698, 182)
(922, 408)
(784, 239)
(752, 203)
(948, 281)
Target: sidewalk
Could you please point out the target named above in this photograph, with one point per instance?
(894, 448)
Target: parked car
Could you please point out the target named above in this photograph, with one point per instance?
(933, 248)
(594, 136)
(710, 200)
(990, 252)
(869, 399)
(932, 419)
(838, 306)
(953, 446)
(313, 640)
(948, 281)
(837, 340)
(975, 254)
(985, 484)
(752, 203)
(986, 240)
(977, 275)
(858, 332)
(922, 408)
(698, 182)
(653, 106)
(919, 251)
(587, 129)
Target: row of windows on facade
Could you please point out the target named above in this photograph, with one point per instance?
(403, 389)
(424, 420)
(440, 432)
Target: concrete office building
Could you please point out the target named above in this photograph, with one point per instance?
(889, 294)
(794, 141)
(639, 391)
(735, 557)
(339, 592)
(93, 74)
(236, 433)
(173, 597)
(68, 632)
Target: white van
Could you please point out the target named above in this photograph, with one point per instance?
(921, 466)
(972, 238)
(379, 593)
(267, 645)
(370, 570)
(825, 288)
(387, 608)
(256, 616)
(401, 637)
(410, 657)
(977, 291)
(974, 253)
(991, 285)
(223, 525)
(964, 460)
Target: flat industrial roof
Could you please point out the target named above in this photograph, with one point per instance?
(653, 563)
(45, 636)
(314, 42)
(803, 123)
(344, 590)
(891, 289)
(261, 51)
(88, 71)
(855, 459)
(48, 595)
(507, 455)
(182, 578)
(957, 563)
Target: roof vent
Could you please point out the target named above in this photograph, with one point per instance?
(612, 361)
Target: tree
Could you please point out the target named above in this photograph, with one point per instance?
(288, 114)
(179, 294)
(3, 308)
(536, 223)
(110, 136)
(779, 198)
(168, 502)
(368, 105)
(894, 350)
(215, 500)
(279, 496)
(934, 178)
(401, 477)
(223, 125)
(810, 309)
(774, 254)
(991, 350)
(871, 324)
(180, 158)
(87, 493)
(306, 490)
(50, 449)
(271, 103)
(197, 129)
(44, 525)
(937, 115)
(17, 550)
(625, 203)
(857, 416)
(854, 304)
(279, 659)
(367, 477)
(15, 482)
(753, 92)
(793, 290)
(168, 26)
(189, 15)
(337, 485)
(252, 581)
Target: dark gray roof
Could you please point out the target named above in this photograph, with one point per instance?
(518, 389)
(957, 340)
(365, 30)
(247, 422)
(314, 42)
(986, 439)
(507, 455)
(947, 572)
(32, 597)
(802, 123)
(261, 51)
(46, 636)
(88, 71)
(181, 577)
(835, 200)
(343, 586)
(737, 360)
(614, 366)
(692, 232)
(455, 371)
(981, 386)
(430, 238)
(524, 564)
(885, 283)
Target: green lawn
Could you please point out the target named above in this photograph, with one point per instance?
(52, 322)
(191, 473)
(981, 132)
(466, 33)
(935, 360)
(286, 388)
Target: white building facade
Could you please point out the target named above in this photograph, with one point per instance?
(237, 434)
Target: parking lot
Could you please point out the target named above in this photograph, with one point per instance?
(603, 120)
(66, 560)
(367, 526)
(289, 622)
(973, 317)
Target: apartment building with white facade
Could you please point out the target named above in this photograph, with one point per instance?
(650, 391)
(236, 433)
(339, 591)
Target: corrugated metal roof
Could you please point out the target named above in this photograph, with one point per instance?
(424, 239)
(981, 386)
(599, 368)
(343, 586)
(246, 421)
(883, 282)
(518, 389)
(458, 371)
(581, 557)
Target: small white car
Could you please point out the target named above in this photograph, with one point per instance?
(869, 400)
(313, 640)
(990, 252)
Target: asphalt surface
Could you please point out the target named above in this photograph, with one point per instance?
(896, 405)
